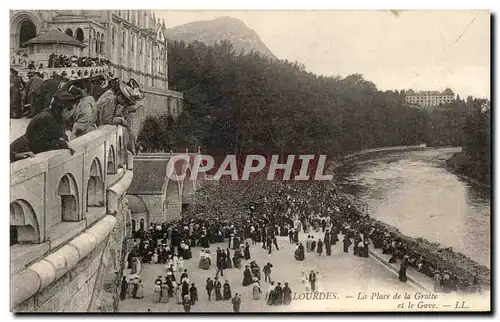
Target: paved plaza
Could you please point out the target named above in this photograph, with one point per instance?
(340, 273)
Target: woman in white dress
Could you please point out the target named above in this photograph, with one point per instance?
(180, 264)
(319, 284)
(170, 262)
(175, 261)
(305, 282)
(178, 293)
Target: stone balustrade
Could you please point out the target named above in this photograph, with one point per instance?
(81, 72)
(62, 209)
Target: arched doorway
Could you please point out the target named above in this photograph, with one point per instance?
(26, 32)
(79, 34)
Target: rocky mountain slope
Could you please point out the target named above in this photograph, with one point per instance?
(223, 28)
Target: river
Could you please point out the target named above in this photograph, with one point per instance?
(414, 192)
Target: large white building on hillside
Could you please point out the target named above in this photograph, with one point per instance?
(429, 98)
(132, 40)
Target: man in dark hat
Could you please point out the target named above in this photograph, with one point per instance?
(17, 86)
(45, 93)
(46, 131)
(32, 88)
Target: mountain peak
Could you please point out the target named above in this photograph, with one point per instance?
(218, 29)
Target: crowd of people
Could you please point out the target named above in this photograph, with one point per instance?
(61, 109)
(295, 210)
(56, 61)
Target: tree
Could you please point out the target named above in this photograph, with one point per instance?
(239, 103)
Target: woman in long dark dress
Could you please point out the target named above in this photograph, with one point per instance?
(255, 270)
(287, 294)
(328, 243)
(227, 291)
(218, 286)
(193, 294)
(247, 276)
(365, 249)
(247, 251)
(402, 271)
(123, 291)
(185, 289)
(347, 243)
(334, 236)
(237, 258)
(320, 247)
(299, 252)
(271, 295)
(313, 245)
(355, 248)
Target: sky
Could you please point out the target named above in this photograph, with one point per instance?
(422, 50)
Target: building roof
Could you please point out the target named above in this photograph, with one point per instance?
(55, 36)
(149, 176)
(136, 205)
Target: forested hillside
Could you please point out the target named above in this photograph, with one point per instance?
(242, 102)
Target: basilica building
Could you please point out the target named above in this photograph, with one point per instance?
(132, 41)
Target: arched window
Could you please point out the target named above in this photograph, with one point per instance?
(133, 225)
(141, 45)
(69, 32)
(141, 224)
(23, 223)
(97, 43)
(95, 186)
(26, 32)
(111, 168)
(79, 34)
(113, 35)
(102, 44)
(68, 192)
(123, 38)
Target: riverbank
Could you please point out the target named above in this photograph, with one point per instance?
(381, 151)
(231, 201)
(466, 169)
(444, 257)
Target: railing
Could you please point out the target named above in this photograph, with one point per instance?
(81, 72)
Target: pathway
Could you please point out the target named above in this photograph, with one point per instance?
(343, 274)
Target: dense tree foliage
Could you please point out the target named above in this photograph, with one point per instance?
(477, 144)
(247, 103)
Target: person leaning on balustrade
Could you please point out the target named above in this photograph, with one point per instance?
(45, 93)
(32, 87)
(116, 105)
(84, 117)
(46, 131)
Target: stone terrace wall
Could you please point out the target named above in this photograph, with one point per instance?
(65, 208)
(157, 103)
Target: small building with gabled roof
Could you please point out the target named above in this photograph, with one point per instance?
(53, 41)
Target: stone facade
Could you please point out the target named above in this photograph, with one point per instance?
(132, 40)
